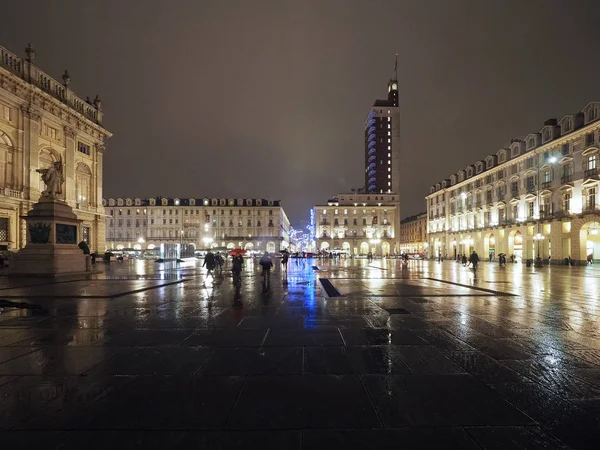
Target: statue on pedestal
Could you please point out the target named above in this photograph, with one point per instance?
(53, 178)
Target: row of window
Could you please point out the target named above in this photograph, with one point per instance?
(515, 150)
(176, 212)
(546, 209)
(589, 164)
(191, 202)
(336, 222)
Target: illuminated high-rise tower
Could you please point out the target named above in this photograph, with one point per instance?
(382, 142)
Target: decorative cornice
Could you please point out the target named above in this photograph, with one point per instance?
(31, 112)
(100, 148)
(70, 133)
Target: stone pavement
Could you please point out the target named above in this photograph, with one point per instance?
(430, 357)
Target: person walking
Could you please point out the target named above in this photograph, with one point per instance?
(474, 259)
(464, 260)
(266, 264)
(284, 262)
(237, 263)
(209, 263)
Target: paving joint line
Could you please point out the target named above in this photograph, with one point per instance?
(492, 291)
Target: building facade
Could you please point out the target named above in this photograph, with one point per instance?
(358, 224)
(203, 223)
(413, 234)
(42, 121)
(536, 197)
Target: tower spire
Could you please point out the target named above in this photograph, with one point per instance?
(396, 68)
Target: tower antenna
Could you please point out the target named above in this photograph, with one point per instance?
(396, 68)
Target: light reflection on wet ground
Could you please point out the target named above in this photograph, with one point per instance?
(433, 355)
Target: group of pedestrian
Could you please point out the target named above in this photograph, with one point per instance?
(472, 260)
(214, 262)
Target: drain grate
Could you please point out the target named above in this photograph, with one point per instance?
(397, 311)
(329, 288)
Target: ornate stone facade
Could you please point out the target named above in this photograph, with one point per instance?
(43, 121)
(413, 234)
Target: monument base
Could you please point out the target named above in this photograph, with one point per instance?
(51, 250)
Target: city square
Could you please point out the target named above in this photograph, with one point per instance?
(306, 225)
(148, 355)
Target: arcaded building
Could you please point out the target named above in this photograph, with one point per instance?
(538, 196)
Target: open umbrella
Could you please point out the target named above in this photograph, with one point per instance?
(237, 251)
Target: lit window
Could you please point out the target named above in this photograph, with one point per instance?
(389, 126)
(345, 211)
(389, 176)
(389, 169)
(389, 133)
(388, 111)
(389, 142)
(389, 119)
(389, 161)
(389, 184)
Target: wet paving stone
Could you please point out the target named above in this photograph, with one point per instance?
(370, 336)
(555, 379)
(439, 400)
(484, 368)
(183, 367)
(530, 438)
(562, 418)
(52, 361)
(187, 403)
(444, 341)
(278, 337)
(225, 338)
(426, 359)
(408, 438)
(254, 361)
(153, 361)
(297, 402)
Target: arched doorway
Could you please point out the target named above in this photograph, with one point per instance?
(385, 248)
(346, 248)
(364, 248)
(489, 246)
(515, 245)
(324, 245)
(589, 240)
(230, 246)
(151, 247)
(249, 246)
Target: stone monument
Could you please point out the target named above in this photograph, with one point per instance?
(52, 234)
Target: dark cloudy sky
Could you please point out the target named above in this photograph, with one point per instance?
(268, 98)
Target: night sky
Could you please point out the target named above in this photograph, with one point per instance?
(268, 98)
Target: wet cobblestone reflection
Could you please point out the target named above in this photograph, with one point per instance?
(433, 356)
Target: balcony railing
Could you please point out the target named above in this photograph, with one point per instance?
(32, 74)
(566, 179)
(11, 193)
(546, 213)
(514, 194)
(500, 196)
(546, 184)
(591, 207)
(589, 173)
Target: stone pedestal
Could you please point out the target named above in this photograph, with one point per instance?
(52, 238)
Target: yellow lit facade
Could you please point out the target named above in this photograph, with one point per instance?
(358, 224)
(413, 234)
(539, 196)
(43, 121)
